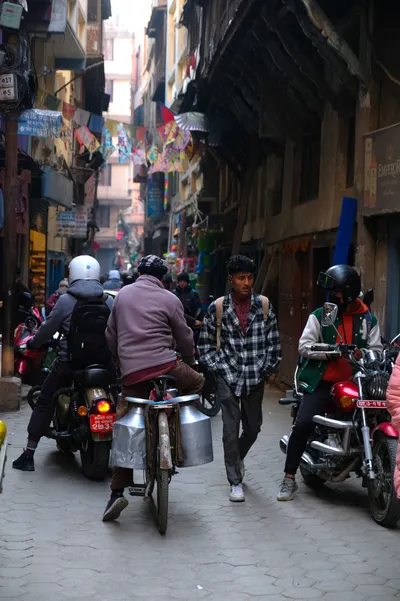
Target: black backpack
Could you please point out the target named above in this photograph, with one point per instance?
(86, 339)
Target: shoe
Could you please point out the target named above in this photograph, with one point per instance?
(287, 489)
(242, 469)
(25, 463)
(114, 508)
(236, 495)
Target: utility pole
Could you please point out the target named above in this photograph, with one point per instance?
(9, 242)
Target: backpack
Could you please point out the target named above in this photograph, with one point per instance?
(219, 306)
(86, 338)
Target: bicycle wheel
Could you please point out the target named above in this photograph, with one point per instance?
(162, 500)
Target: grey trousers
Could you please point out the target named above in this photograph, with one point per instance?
(247, 410)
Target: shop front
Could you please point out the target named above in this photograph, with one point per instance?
(381, 212)
(37, 250)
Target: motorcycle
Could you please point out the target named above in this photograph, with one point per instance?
(356, 433)
(28, 362)
(83, 419)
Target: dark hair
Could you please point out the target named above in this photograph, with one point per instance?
(240, 264)
(183, 277)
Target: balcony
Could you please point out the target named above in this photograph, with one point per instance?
(114, 197)
(159, 77)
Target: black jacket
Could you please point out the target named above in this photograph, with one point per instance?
(191, 304)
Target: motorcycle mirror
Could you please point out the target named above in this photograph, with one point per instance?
(369, 297)
(329, 314)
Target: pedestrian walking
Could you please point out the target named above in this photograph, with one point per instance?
(239, 341)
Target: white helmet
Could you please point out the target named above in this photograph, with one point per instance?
(84, 267)
(114, 274)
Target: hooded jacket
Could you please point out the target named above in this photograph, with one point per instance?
(59, 319)
(144, 325)
(357, 326)
(393, 405)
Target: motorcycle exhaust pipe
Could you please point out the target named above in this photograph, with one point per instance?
(306, 457)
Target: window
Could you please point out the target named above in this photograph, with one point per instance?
(92, 11)
(110, 88)
(109, 50)
(103, 216)
(351, 149)
(105, 176)
(310, 166)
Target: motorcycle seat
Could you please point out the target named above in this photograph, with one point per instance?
(94, 375)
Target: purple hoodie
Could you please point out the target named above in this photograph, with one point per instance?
(145, 321)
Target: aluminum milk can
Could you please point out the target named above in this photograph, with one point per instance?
(196, 436)
(129, 439)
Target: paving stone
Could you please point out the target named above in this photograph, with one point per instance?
(320, 546)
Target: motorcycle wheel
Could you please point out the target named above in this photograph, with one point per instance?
(33, 395)
(383, 501)
(95, 460)
(310, 479)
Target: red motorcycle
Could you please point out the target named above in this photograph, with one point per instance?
(28, 363)
(356, 433)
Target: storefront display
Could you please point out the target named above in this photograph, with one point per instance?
(37, 267)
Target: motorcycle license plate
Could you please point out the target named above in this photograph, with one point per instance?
(372, 404)
(102, 423)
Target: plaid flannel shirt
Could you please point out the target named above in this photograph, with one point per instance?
(245, 359)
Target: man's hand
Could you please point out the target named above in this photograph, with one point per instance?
(198, 324)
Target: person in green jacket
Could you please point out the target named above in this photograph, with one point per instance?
(356, 325)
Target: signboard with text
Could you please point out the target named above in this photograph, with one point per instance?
(155, 195)
(382, 171)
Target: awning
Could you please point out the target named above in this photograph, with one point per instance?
(57, 188)
(24, 161)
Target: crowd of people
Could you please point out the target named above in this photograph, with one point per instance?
(238, 341)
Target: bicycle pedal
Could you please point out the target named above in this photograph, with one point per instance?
(138, 490)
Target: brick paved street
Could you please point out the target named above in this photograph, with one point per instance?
(53, 544)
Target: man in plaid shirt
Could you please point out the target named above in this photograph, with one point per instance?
(249, 352)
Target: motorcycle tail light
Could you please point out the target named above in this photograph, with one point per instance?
(346, 402)
(82, 411)
(103, 407)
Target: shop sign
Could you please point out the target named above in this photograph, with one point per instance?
(382, 171)
(155, 195)
(81, 220)
(65, 223)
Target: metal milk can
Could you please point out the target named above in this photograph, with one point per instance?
(129, 439)
(196, 436)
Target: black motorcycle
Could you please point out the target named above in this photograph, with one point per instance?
(83, 419)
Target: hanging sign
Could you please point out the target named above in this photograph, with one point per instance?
(81, 220)
(44, 124)
(155, 195)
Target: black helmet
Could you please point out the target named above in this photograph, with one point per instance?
(341, 278)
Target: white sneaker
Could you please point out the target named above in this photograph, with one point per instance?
(242, 469)
(236, 495)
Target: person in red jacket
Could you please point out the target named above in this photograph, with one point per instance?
(52, 300)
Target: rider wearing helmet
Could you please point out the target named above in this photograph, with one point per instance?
(145, 321)
(356, 325)
(84, 276)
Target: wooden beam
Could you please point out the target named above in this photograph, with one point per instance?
(289, 70)
(292, 47)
